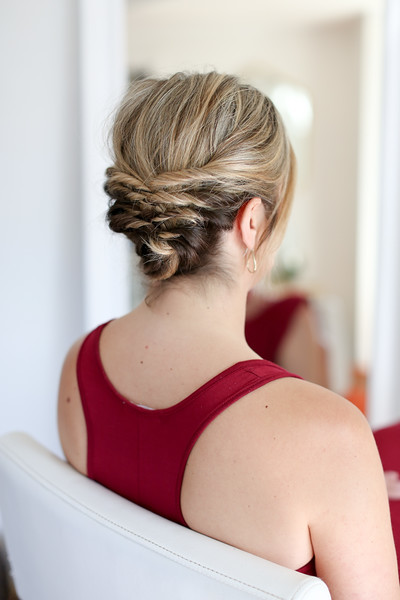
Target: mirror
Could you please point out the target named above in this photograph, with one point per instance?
(320, 63)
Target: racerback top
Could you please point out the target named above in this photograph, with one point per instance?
(141, 453)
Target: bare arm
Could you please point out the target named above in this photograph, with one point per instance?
(71, 420)
(349, 516)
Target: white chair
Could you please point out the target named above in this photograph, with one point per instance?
(69, 538)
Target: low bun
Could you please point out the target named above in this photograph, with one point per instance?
(172, 231)
(188, 152)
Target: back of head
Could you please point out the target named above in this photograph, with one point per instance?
(189, 151)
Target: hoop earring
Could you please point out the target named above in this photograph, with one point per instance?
(252, 256)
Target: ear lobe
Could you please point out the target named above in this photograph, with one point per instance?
(248, 221)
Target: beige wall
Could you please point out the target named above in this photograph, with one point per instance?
(325, 58)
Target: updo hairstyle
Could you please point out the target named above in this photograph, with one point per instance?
(188, 152)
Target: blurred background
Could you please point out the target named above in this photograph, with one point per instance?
(331, 67)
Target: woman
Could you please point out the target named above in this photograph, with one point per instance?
(168, 405)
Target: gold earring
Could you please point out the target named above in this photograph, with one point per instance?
(253, 261)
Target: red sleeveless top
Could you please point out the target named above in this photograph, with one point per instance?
(140, 453)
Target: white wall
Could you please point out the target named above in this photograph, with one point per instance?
(369, 196)
(385, 384)
(46, 212)
(40, 245)
(102, 79)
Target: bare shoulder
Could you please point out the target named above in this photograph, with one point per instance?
(318, 405)
(313, 413)
(71, 420)
(327, 433)
(340, 481)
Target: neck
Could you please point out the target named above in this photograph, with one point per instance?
(195, 304)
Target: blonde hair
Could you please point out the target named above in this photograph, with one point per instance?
(189, 151)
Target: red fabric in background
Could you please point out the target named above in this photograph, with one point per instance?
(266, 330)
(388, 442)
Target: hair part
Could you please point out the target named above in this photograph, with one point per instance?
(188, 152)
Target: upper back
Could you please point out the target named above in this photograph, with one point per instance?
(243, 440)
(128, 442)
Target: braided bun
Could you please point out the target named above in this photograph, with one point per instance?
(188, 152)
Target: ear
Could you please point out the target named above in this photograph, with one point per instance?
(249, 221)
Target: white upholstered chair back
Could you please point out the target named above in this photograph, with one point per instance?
(70, 538)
